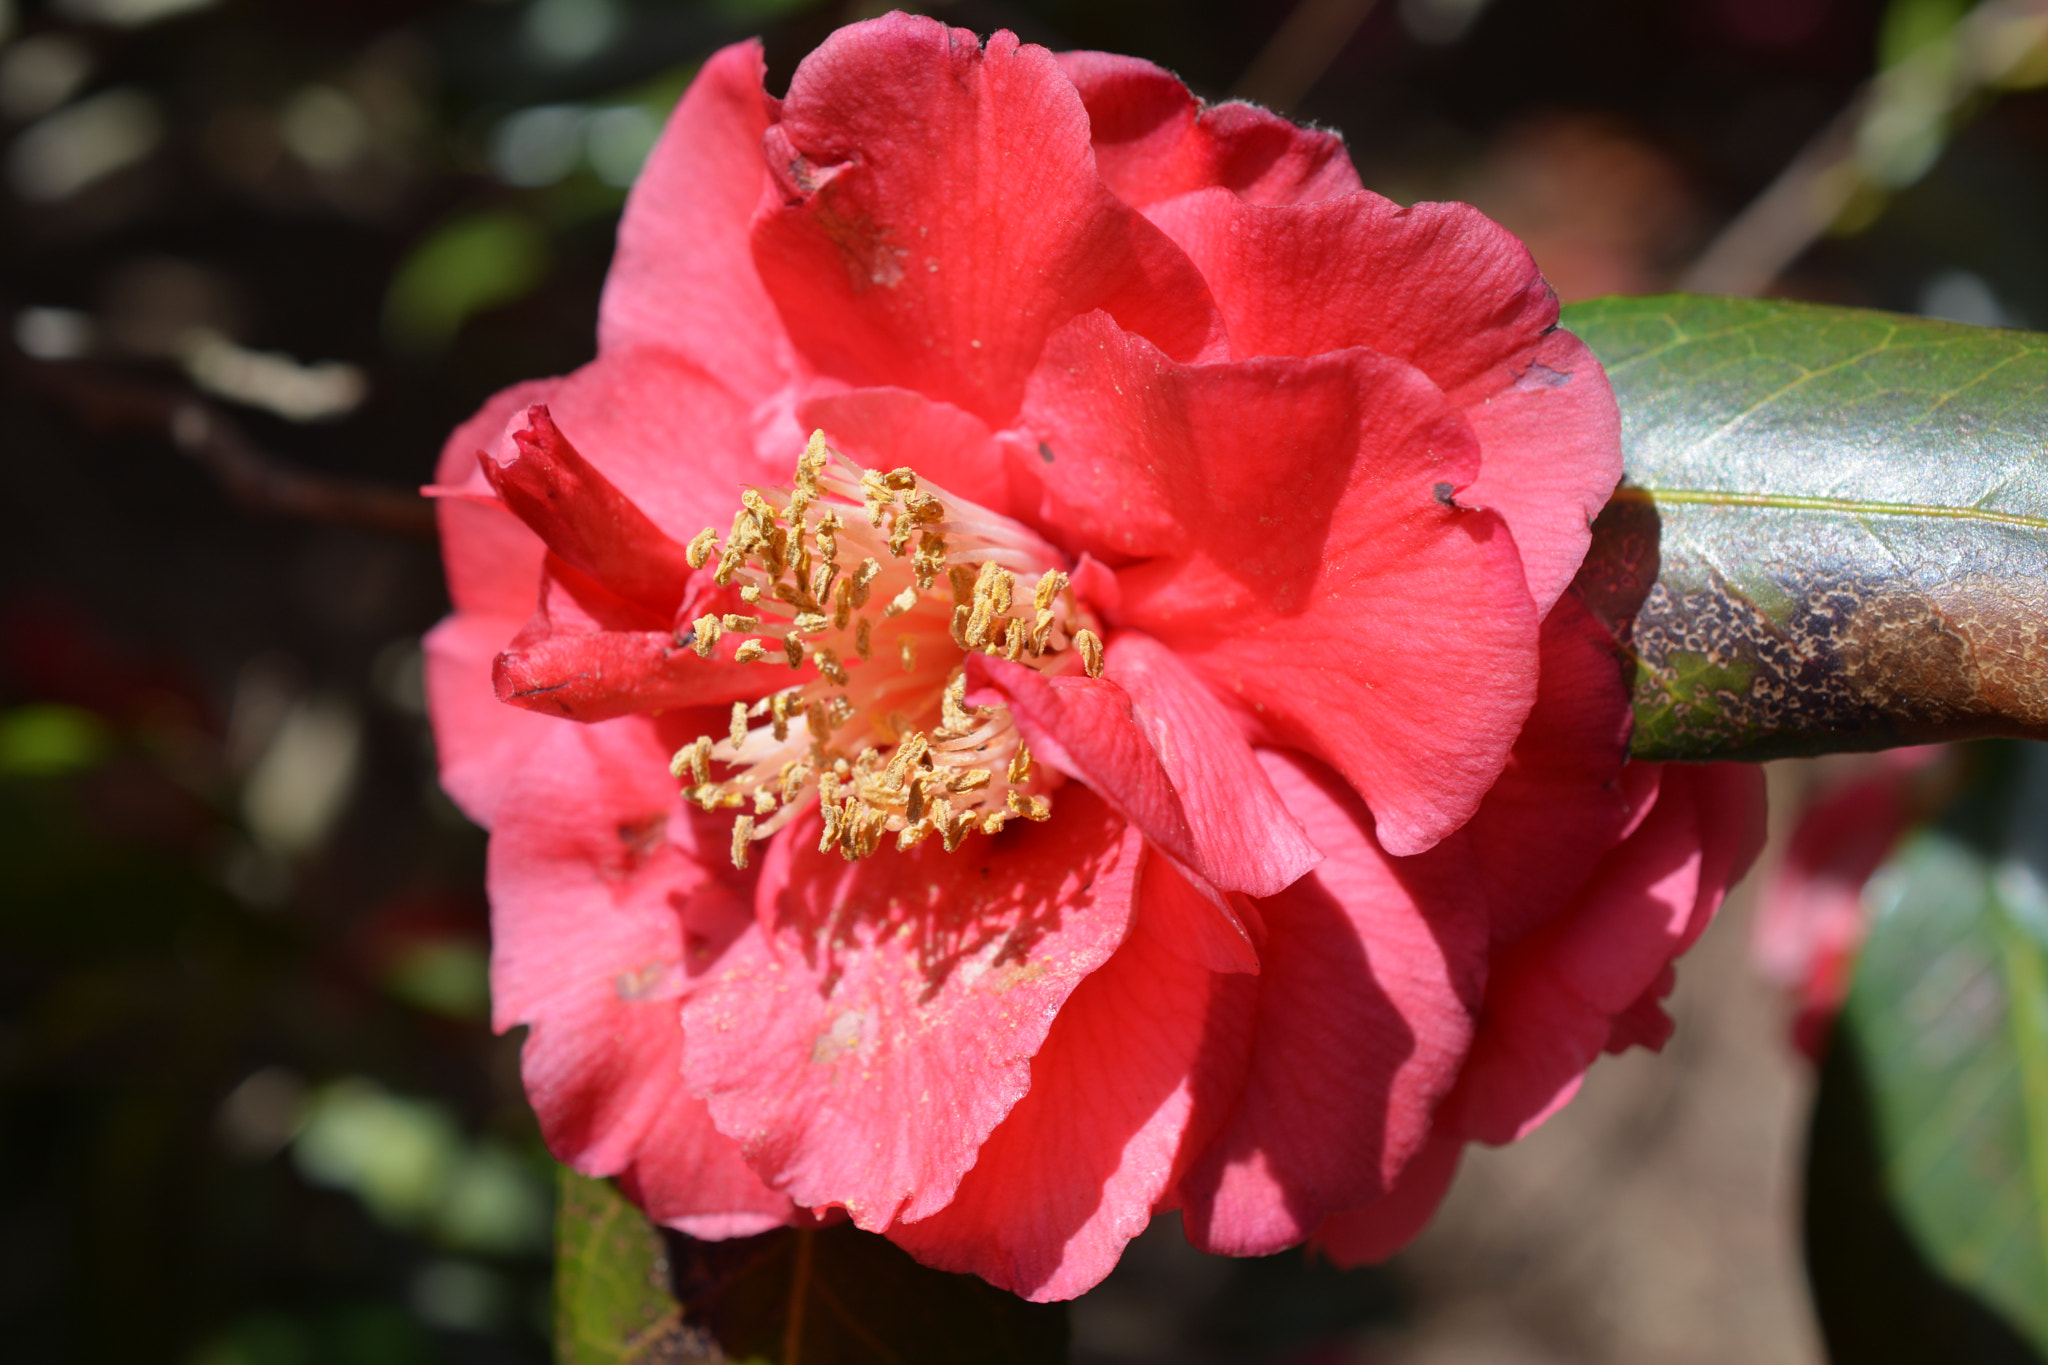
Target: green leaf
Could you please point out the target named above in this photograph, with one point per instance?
(463, 267)
(613, 1305)
(1833, 530)
(796, 1296)
(1928, 1205)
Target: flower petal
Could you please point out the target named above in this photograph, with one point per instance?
(1154, 141)
(1246, 838)
(1454, 294)
(493, 560)
(683, 277)
(863, 1042)
(479, 741)
(1131, 1081)
(592, 909)
(884, 428)
(582, 518)
(1168, 770)
(634, 414)
(1371, 973)
(1553, 998)
(1558, 805)
(1302, 551)
(1369, 1235)
(943, 216)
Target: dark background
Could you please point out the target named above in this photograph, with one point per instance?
(257, 257)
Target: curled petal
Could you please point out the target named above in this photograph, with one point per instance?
(1287, 527)
(582, 517)
(942, 216)
(1154, 141)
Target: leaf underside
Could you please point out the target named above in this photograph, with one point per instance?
(1833, 528)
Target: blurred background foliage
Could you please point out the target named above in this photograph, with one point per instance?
(258, 256)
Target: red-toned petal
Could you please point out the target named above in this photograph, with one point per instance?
(592, 905)
(1130, 1082)
(690, 1177)
(583, 519)
(1369, 1235)
(683, 276)
(1152, 767)
(606, 674)
(1553, 998)
(1552, 436)
(480, 741)
(677, 443)
(1371, 973)
(943, 216)
(1153, 140)
(1302, 552)
(885, 428)
(1558, 805)
(862, 1046)
(493, 561)
(1453, 293)
(1247, 840)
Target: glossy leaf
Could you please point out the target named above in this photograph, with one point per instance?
(1833, 531)
(1928, 1205)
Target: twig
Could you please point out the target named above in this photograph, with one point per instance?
(1300, 51)
(1986, 46)
(109, 400)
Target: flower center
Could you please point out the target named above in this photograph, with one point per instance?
(883, 585)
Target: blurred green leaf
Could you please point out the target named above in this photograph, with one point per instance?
(1928, 1222)
(462, 268)
(819, 1296)
(1910, 25)
(1833, 532)
(446, 976)
(46, 741)
(612, 1300)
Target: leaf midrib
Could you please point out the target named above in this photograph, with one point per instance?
(1791, 502)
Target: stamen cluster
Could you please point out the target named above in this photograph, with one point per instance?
(886, 750)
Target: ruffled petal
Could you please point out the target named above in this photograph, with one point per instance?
(1300, 547)
(1154, 141)
(593, 910)
(1451, 292)
(1559, 805)
(1554, 999)
(942, 216)
(683, 277)
(1371, 974)
(1370, 1235)
(866, 1038)
(1247, 840)
(479, 741)
(1130, 1082)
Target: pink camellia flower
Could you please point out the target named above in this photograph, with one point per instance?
(1054, 694)
(1810, 918)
